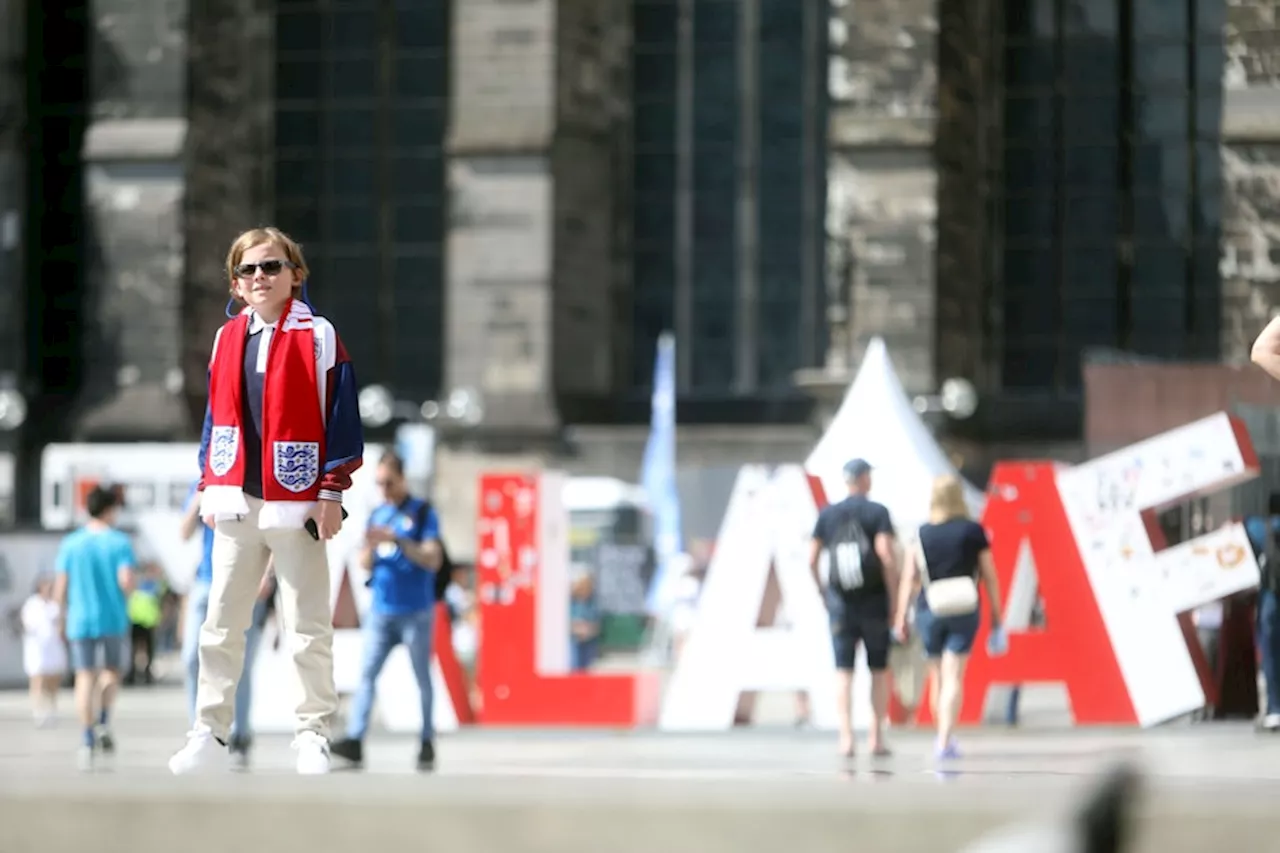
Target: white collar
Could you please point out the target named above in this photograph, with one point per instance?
(257, 324)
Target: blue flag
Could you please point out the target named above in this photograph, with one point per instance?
(658, 472)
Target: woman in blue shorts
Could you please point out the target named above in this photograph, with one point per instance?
(952, 549)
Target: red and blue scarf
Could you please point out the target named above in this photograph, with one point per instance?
(293, 428)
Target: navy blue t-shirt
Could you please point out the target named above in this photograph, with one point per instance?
(951, 548)
(874, 519)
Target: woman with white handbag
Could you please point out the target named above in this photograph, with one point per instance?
(947, 561)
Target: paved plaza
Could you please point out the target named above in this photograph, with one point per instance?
(548, 790)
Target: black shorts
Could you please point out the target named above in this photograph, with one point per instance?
(859, 621)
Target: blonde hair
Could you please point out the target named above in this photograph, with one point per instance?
(947, 501)
(257, 237)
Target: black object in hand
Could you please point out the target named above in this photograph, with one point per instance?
(311, 528)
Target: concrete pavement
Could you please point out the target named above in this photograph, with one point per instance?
(750, 790)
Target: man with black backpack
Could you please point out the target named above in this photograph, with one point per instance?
(406, 559)
(856, 535)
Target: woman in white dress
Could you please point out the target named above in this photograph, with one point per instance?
(44, 653)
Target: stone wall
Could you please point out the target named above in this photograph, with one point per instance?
(138, 67)
(1251, 174)
(881, 208)
(133, 294)
(134, 183)
(499, 279)
(1250, 243)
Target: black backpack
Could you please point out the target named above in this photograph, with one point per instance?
(1269, 559)
(445, 573)
(850, 554)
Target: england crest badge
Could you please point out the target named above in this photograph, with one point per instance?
(296, 464)
(224, 447)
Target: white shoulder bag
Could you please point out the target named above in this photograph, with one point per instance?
(948, 597)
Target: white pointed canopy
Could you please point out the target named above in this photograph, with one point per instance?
(877, 422)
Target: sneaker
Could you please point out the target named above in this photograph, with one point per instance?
(239, 751)
(202, 753)
(349, 750)
(84, 757)
(426, 757)
(949, 752)
(1271, 722)
(105, 740)
(313, 754)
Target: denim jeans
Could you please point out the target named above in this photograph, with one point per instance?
(1269, 645)
(197, 609)
(382, 633)
(582, 653)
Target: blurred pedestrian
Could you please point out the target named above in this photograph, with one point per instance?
(144, 616)
(857, 538)
(94, 575)
(584, 620)
(44, 654)
(950, 556)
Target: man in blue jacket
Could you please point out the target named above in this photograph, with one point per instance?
(403, 553)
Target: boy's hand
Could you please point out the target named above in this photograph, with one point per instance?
(209, 521)
(328, 518)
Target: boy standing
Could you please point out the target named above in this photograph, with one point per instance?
(95, 569)
(282, 436)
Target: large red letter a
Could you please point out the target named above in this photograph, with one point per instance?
(1073, 647)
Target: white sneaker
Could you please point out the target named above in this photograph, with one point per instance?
(313, 754)
(84, 757)
(1271, 722)
(202, 753)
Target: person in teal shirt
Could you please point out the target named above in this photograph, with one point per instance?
(95, 574)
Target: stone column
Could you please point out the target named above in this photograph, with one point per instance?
(968, 153)
(499, 250)
(12, 200)
(133, 182)
(12, 185)
(532, 175)
(881, 183)
(228, 164)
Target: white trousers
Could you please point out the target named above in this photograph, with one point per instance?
(240, 553)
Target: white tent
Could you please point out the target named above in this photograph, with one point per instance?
(877, 422)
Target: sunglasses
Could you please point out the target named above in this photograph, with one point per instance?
(267, 267)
